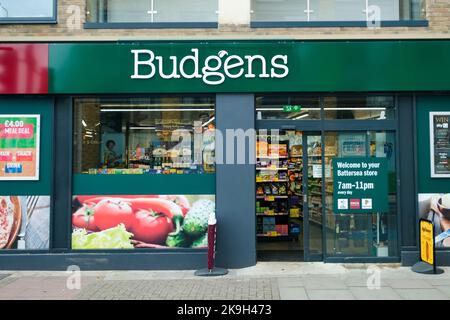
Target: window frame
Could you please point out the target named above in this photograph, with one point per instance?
(34, 20)
(328, 24)
(155, 25)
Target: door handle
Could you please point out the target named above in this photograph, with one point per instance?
(305, 198)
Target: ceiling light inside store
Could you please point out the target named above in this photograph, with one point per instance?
(142, 128)
(84, 123)
(302, 116)
(281, 109)
(208, 122)
(154, 110)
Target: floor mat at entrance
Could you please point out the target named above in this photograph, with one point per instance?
(280, 256)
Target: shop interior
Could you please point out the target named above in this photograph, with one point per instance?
(294, 179)
(151, 135)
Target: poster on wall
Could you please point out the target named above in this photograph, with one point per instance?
(360, 185)
(352, 144)
(141, 221)
(435, 207)
(112, 149)
(19, 147)
(440, 144)
(24, 222)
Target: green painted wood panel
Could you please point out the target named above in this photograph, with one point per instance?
(85, 184)
(425, 105)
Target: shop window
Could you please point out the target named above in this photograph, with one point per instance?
(27, 10)
(359, 107)
(287, 108)
(151, 135)
(151, 11)
(362, 234)
(336, 10)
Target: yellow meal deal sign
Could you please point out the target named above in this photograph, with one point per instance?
(426, 241)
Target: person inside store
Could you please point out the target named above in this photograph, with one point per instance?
(110, 157)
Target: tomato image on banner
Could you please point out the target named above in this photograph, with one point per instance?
(141, 221)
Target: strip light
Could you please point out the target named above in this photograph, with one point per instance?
(208, 122)
(154, 110)
(307, 109)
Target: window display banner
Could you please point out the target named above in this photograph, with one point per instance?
(360, 185)
(24, 222)
(435, 207)
(141, 221)
(19, 147)
(440, 144)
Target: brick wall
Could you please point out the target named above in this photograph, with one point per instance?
(438, 14)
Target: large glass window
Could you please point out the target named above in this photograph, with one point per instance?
(151, 11)
(359, 107)
(27, 9)
(278, 107)
(144, 135)
(343, 107)
(336, 10)
(362, 234)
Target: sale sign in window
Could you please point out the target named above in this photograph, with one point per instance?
(19, 147)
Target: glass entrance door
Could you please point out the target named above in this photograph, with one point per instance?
(289, 195)
(313, 173)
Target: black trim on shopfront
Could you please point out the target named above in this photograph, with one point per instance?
(62, 180)
(336, 24)
(407, 180)
(151, 25)
(235, 187)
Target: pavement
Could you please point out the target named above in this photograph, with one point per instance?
(265, 281)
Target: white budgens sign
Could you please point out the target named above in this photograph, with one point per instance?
(213, 70)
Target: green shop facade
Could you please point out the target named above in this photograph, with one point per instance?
(110, 159)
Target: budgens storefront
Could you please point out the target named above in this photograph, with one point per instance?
(114, 154)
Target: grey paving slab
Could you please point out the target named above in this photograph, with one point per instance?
(361, 281)
(409, 284)
(290, 282)
(384, 293)
(330, 283)
(444, 289)
(421, 294)
(4, 275)
(293, 293)
(315, 294)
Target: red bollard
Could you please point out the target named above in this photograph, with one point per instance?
(211, 270)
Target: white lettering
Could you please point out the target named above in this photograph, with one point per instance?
(228, 66)
(148, 62)
(276, 65)
(250, 73)
(210, 71)
(214, 70)
(194, 59)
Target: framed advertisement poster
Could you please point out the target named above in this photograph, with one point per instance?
(19, 147)
(352, 144)
(440, 144)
